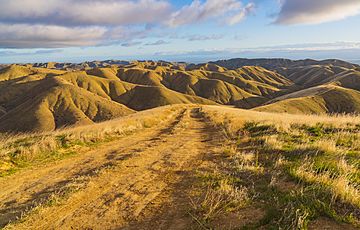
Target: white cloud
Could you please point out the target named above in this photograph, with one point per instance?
(52, 36)
(66, 23)
(44, 36)
(316, 11)
(240, 16)
(198, 37)
(83, 12)
(199, 11)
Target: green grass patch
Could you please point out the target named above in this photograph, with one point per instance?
(257, 129)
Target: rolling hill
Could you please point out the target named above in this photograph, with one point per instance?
(48, 96)
(318, 100)
(53, 104)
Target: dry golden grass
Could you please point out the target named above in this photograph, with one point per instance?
(17, 151)
(247, 161)
(217, 201)
(234, 119)
(340, 186)
(319, 156)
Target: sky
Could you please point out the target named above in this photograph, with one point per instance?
(173, 30)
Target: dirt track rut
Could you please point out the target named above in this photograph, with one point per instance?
(137, 182)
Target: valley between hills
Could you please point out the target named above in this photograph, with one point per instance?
(231, 144)
(45, 97)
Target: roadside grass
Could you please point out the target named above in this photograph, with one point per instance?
(25, 150)
(60, 194)
(219, 195)
(298, 169)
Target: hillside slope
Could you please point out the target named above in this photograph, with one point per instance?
(54, 104)
(313, 89)
(318, 100)
(147, 97)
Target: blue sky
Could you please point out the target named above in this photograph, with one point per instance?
(193, 31)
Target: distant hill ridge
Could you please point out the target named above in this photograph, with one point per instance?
(276, 63)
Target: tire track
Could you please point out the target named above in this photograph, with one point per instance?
(21, 193)
(123, 194)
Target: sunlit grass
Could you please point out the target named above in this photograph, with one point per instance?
(19, 151)
(309, 164)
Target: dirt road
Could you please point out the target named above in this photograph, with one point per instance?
(140, 181)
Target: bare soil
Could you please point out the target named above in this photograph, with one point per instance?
(141, 181)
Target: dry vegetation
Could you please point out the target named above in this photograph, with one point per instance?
(24, 150)
(296, 168)
(259, 170)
